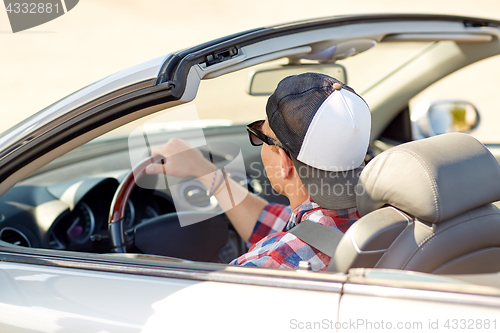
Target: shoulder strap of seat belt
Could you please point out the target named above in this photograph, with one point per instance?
(318, 236)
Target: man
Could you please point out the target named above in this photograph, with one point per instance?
(314, 140)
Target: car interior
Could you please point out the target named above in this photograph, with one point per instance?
(414, 218)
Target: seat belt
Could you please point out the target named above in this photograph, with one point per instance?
(318, 236)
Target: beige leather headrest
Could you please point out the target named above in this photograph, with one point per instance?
(432, 179)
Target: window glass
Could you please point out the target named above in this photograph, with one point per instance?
(477, 84)
(368, 68)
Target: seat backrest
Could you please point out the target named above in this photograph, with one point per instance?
(425, 207)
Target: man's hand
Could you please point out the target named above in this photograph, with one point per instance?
(181, 160)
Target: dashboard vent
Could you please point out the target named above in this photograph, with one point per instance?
(240, 179)
(196, 195)
(14, 236)
(253, 185)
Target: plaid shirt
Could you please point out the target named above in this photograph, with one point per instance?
(274, 247)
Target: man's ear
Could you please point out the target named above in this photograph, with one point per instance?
(287, 166)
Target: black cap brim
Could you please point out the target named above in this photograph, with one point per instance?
(330, 189)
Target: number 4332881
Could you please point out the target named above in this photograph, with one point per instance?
(32, 8)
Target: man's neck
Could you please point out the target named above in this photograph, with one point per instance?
(297, 200)
(295, 192)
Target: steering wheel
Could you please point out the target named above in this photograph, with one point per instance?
(163, 235)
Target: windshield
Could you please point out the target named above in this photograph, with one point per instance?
(223, 101)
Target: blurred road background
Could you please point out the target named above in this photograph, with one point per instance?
(99, 37)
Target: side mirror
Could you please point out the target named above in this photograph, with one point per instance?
(429, 119)
(264, 82)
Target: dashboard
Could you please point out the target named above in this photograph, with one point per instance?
(73, 215)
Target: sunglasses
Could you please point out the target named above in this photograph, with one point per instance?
(257, 138)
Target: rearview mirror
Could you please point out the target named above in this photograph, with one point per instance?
(264, 82)
(429, 119)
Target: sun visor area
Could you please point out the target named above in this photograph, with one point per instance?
(339, 50)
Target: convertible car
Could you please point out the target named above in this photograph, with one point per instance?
(89, 243)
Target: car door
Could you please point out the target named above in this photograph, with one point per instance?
(415, 302)
(84, 295)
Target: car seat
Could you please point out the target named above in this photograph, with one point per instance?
(427, 206)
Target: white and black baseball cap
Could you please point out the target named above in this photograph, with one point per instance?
(325, 127)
